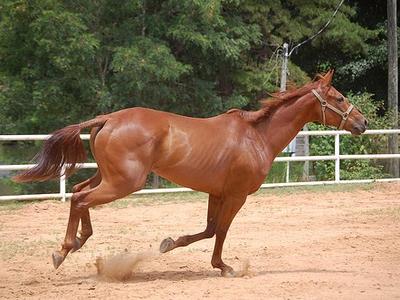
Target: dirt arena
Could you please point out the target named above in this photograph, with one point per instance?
(339, 242)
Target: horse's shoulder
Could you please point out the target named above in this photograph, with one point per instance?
(249, 116)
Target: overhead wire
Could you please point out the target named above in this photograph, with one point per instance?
(319, 31)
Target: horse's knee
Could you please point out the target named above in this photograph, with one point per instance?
(209, 235)
(209, 232)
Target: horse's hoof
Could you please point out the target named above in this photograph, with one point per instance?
(167, 245)
(58, 258)
(77, 245)
(228, 272)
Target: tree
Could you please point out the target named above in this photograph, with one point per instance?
(65, 61)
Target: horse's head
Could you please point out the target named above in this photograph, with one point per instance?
(335, 109)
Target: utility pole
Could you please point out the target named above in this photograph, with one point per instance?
(284, 70)
(299, 145)
(292, 146)
(393, 80)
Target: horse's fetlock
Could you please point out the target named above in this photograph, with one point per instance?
(216, 263)
(68, 245)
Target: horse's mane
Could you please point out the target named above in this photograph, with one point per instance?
(277, 99)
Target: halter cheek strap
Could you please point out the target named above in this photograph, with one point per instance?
(325, 105)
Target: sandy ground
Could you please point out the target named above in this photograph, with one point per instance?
(320, 243)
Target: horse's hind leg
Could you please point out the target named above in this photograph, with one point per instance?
(110, 189)
(92, 182)
(214, 204)
(70, 236)
(96, 178)
(86, 225)
(85, 232)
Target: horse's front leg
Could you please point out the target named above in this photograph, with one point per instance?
(214, 204)
(229, 209)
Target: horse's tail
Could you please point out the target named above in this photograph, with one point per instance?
(63, 148)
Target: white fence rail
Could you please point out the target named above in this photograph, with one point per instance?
(337, 157)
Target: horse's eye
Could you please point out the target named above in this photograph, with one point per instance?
(340, 99)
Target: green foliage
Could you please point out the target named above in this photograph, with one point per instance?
(64, 61)
(44, 54)
(351, 169)
(18, 153)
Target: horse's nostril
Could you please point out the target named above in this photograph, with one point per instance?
(365, 122)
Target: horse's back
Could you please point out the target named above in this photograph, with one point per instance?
(155, 121)
(168, 134)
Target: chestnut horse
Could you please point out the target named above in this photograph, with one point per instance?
(227, 156)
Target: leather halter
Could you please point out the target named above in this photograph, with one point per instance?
(325, 105)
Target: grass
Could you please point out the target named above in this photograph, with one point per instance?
(152, 199)
(13, 205)
(316, 189)
(9, 249)
(393, 212)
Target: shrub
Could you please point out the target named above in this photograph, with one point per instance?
(364, 144)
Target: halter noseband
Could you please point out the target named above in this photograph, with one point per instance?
(325, 105)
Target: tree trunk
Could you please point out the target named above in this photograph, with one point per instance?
(393, 92)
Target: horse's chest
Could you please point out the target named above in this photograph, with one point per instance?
(247, 173)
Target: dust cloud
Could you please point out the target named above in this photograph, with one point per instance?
(121, 267)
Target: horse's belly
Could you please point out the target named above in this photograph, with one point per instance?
(207, 182)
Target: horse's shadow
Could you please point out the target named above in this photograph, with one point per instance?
(199, 275)
(187, 275)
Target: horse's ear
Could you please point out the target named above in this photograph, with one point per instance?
(327, 79)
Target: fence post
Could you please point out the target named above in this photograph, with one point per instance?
(62, 185)
(287, 171)
(337, 157)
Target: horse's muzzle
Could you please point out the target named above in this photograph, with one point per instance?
(358, 129)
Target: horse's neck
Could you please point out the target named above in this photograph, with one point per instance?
(284, 124)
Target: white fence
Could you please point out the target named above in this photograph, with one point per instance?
(337, 157)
